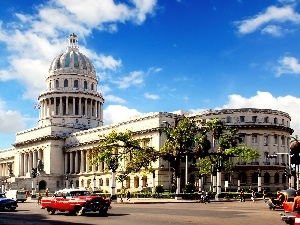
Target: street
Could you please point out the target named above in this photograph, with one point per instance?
(215, 213)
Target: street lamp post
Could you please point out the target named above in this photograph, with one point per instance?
(219, 176)
(200, 182)
(259, 180)
(94, 180)
(113, 165)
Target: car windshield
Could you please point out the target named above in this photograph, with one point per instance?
(79, 193)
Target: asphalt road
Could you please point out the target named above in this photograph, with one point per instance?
(215, 213)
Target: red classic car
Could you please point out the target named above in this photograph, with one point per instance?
(75, 201)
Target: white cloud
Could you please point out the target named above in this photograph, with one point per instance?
(150, 96)
(34, 40)
(115, 99)
(135, 78)
(272, 14)
(10, 121)
(265, 100)
(288, 65)
(117, 113)
(273, 30)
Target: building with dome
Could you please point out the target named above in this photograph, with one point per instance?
(71, 120)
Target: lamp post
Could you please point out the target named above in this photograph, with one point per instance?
(113, 165)
(200, 182)
(33, 176)
(259, 180)
(219, 176)
(94, 180)
(67, 181)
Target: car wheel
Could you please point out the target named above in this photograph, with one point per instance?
(103, 212)
(51, 211)
(79, 212)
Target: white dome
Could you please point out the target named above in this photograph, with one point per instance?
(72, 61)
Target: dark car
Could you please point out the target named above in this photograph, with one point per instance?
(7, 203)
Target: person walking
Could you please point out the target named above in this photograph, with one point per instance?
(264, 195)
(47, 192)
(242, 195)
(39, 199)
(253, 196)
(128, 195)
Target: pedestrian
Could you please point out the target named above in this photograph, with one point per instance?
(47, 192)
(296, 204)
(253, 196)
(39, 199)
(264, 195)
(242, 195)
(128, 195)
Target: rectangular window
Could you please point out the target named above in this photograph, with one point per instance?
(275, 139)
(282, 140)
(107, 181)
(266, 140)
(242, 119)
(254, 139)
(254, 119)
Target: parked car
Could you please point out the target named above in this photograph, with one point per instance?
(18, 195)
(75, 201)
(7, 203)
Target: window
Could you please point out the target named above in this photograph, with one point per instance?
(128, 182)
(275, 120)
(242, 138)
(275, 139)
(242, 119)
(266, 120)
(266, 178)
(243, 177)
(107, 181)
(228, 119)
(57, 84)
(92, 87)
(85, 84)
(254, 178)
(282, 140)
(65, 83)
(254, 119)
(282, 121)
(266, 140)
(100, 182)
(254, 139)
(75, 83)
(136, 182)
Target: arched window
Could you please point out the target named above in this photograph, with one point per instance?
(266, 119)
(92, 87)
(254, 178)
(136, 182)
(85, 84)
(267, 178)
(243, 177)
(66, 83)
(75, 83)
(276, 178)
(275, 120)
(128, 182)
(100, 182)
(57, 83)
(50, 85)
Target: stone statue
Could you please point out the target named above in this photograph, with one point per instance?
(40, 165)
(9, 168)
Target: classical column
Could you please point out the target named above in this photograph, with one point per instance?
(34, 159)
(91, 107)
(76, 162)
(79, 107)
(54, 106)
(71, 162)
(74, 105)
(25, 159)
(81, 161)
(30, 160)
(87, 162)
(21, 170)
(85, 108)
(66, 162)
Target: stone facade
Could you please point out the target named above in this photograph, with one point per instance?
(71, 120)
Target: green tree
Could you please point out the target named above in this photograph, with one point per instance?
(123, 147)
(179, 142)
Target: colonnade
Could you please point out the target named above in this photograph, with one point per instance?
(28, 160)
(77, 162)
(4, 169)
(70, 105)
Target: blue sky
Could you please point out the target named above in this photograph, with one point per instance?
(154, 55)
